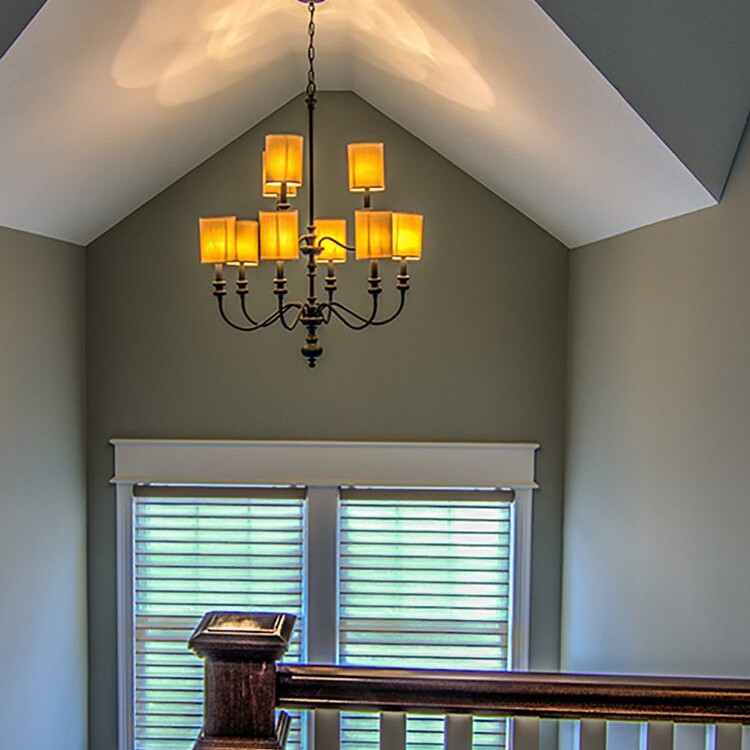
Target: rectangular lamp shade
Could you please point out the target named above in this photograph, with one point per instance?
(246, 243)
(279, 235)
(366, 167)
(218, 239)
(373, 234)
(407, 236)
(284, 156)
(330, 251)
(274, 191)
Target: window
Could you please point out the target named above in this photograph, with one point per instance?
(423, 582)
(414, 577)
(196, 551)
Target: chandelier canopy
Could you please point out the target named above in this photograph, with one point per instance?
(275, 236)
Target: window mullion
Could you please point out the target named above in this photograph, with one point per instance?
(521, 580)
(322, 605)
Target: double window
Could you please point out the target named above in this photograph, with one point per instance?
(381, 577)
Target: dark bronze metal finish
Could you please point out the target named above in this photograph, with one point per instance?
(544, 695)
(312, 313)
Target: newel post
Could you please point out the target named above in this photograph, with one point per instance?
(240, 651)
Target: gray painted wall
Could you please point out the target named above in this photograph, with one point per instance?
(657, 560)
(478, 355)
(42, 494)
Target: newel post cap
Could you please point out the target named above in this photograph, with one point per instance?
(243, 636)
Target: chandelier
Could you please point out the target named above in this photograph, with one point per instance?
(275, 236)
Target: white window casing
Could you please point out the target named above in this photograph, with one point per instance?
(323, 468)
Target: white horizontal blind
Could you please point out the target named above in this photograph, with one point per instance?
(423, 584)
(197, 550)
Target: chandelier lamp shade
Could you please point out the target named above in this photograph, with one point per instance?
(379, 235)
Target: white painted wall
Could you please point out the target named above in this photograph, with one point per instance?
(657, 517)
(43, 666)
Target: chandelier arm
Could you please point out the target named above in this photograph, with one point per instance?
(350, 248)
(243, 307)
(289, 306)
(284, 324)
(399, 309)
(267, 321)
(354, 313)
(283, 309)
(337, 308)
(353, 326)
(242, 290)
(366, 323)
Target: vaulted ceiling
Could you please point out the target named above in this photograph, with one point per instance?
(592, 118)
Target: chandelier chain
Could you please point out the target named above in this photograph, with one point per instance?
(311, 85)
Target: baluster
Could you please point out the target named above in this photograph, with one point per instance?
(724, 737)
(392, 731)
(690, 736)
(624, 735)
(326, 727)
(524, 733)
(458, 732)
(590, 734)
(657, 735)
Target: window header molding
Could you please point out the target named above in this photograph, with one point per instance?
(362, 464)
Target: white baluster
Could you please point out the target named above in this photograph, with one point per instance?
(524, 733)
(591, 734)
(392, 731)
(724, 737)
(325, 727)
(690, 736)
(657, 735)
(623, 735)
(458, 732)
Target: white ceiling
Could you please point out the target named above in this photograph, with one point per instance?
(106, 102)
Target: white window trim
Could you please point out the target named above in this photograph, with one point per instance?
(318, 464)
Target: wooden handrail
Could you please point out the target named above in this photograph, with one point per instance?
(244, 685)
(544, 695)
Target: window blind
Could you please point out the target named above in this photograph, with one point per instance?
(197, 550)
(423, 583)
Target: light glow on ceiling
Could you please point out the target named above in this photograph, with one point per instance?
(187, 50)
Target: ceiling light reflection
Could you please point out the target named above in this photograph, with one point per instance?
(190, 49)
(399, 41)
(209, 45)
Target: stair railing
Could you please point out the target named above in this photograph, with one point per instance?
(244, 685)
